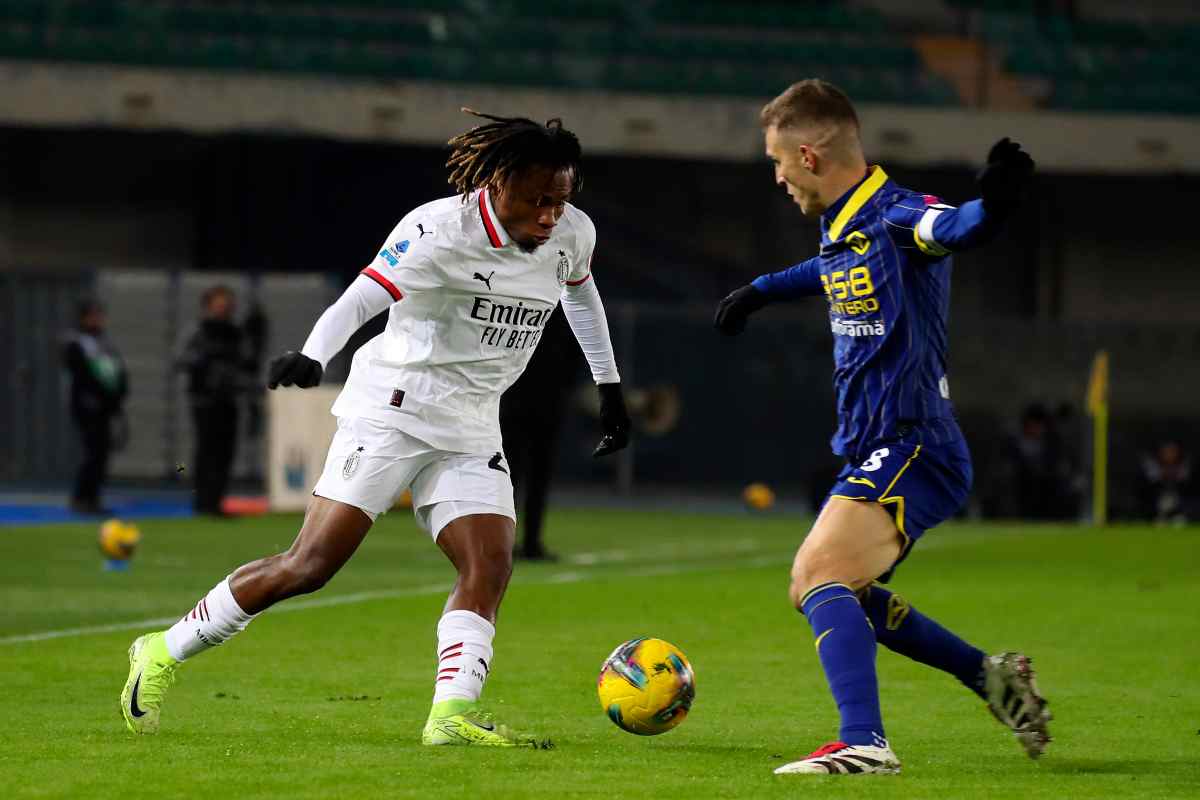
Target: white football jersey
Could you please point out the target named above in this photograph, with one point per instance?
(470, 307)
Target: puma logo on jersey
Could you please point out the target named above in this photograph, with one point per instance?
(421, 228)
(487, 280)
(494, 463)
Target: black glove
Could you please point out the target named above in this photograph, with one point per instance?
(1005, 177)
(736, 307)
(614, 420)
(294, 368)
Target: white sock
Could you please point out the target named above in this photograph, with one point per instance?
(464, 656)
(212, 621)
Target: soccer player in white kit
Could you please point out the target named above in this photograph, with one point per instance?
(470, 282)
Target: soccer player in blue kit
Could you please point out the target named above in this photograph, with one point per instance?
(884, 267)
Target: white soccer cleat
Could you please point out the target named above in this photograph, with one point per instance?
(839, 758)
(1012, 696)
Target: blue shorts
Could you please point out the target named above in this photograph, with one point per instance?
(919, 482)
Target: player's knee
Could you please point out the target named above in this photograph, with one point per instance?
(303, 575)
(807, 568)
(492, 568)
(799, 584)
(499, 567)
(816, 566)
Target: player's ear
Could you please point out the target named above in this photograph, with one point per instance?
(808, 157)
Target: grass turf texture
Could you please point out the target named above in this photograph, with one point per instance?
(329, 700)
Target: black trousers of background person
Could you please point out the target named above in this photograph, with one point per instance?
(95, 434)
(215, 428)
(530, 444)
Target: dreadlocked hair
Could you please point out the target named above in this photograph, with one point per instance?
(493, 152)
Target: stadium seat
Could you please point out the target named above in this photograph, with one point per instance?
(700, 47)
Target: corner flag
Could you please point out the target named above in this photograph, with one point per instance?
(1097, 408)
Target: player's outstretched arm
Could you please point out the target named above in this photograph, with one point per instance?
(362, 300)
(1005, 177)
(736, 307)
(802, 280)
(585, 312)
(939, 229)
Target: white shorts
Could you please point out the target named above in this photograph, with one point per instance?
(370, 465)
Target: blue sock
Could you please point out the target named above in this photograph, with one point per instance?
(900, 627)
(846, 647)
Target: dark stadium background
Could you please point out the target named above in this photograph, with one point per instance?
(107, 187)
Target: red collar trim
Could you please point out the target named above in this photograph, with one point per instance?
(488, 225)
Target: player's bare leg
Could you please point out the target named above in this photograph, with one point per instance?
(480, 547)
(851, 542)
(330, 534)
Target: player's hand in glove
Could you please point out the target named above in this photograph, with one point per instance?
(614, 420)
(294, 369)
(737, 306)
(1003, 180)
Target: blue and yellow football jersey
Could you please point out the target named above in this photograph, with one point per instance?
(884, 266)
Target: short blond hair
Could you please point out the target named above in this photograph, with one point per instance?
(809, 103)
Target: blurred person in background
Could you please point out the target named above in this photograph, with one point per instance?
(1035, 463)
(532, 413)
(1164, 490)
(1072, 434)
(99, 385)
(220, 359)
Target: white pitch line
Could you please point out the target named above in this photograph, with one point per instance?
(741, 546)
(387, 594)
(299, 605)
(67, 632)
(662, 550)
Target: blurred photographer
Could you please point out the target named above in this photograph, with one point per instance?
(1165, 485)
(99, 385)
(220, 359)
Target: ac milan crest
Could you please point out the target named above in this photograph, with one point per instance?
(351, 464)
(564, 267)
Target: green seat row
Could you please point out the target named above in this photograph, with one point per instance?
(487, 65)
(769, 15)
(871, 51)
(1173, 97)
(1123, 65)
(374, 14)
(1020, 29)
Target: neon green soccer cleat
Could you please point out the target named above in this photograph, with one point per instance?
(459, 722)
(151, 671)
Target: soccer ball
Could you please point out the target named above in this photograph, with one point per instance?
(118, 540)
(646, 686)
(758, 497)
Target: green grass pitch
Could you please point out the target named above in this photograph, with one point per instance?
(325, 696)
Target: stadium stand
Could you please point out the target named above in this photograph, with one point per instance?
(669, 47)
(706, 47)
(1093, 64)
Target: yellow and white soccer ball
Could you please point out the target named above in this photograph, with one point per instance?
(758, 497)
(646, 686)
(119, 540)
